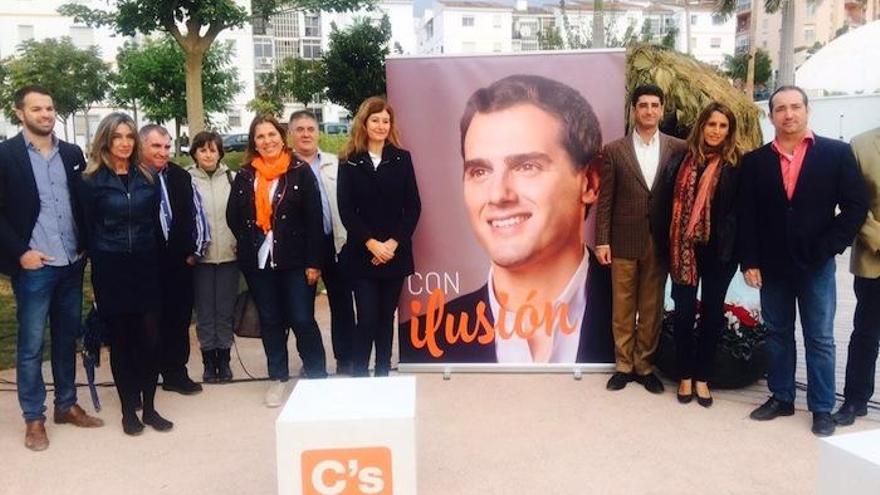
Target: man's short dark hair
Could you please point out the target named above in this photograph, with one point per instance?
(20, 94)
(646, 89)
(789, 87)
(304, 113)
(203, 138)
(581, 134)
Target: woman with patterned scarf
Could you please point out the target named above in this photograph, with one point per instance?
(274, 212)
(700, 191)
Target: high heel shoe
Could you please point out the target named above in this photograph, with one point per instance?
(684, 398)
(704, 401)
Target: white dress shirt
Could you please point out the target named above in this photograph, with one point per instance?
(565, 346)
(648, 155)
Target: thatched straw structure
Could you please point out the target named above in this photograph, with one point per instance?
(689, 86)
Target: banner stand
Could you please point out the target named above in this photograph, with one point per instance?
(576, 369)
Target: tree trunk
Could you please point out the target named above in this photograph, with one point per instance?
(598, 24)
(64, 121)
(753, 50)
(177, 136)
(786, 45)
(195, 108)
(134, 111)
(88, 127)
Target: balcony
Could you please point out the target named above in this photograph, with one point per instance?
(743, 6)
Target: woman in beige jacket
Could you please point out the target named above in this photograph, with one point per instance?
(216, 274)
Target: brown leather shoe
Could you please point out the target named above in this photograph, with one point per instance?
(35, 437)
(77, 417)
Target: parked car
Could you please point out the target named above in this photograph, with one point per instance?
(235, 142)
(335, 127)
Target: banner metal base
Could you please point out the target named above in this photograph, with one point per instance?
(576, 369)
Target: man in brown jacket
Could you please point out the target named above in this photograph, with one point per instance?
(632, 167)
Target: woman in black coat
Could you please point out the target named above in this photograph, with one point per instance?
(274, 212)
(122, 212)
(699, 191)
(379, 205)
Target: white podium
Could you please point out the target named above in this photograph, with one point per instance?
(348, 436)
(850, 464)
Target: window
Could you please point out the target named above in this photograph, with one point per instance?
(467, 21)
(718, 20)
(286, 24)
(693, 43)
(809, 35)
(313, 25)
(529, 46)
(811, 8)
(468, 47)
(311, 49)
(496, 21)
(715, 42)
(260, 25)
(286, 49)
(25, 33)
(765, 23)
(233, 118)
(496, 47)
(695, 19)
(263, 53)
(82, 37)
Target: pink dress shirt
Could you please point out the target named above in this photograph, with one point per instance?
(792, 164)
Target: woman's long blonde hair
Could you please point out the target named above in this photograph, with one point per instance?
(359, 141)
(696, 142)
(99, 153)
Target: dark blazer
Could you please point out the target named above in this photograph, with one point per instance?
(596, 340)
(379, 203)
(723, 217)
(297, 225)
(782, 236)
(626, 203)
(120, 218)
(20, 200)
(181, 236)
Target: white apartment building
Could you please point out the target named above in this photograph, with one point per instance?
(453, 26)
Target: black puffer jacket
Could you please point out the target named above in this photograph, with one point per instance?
(121, 219)
(296, 219)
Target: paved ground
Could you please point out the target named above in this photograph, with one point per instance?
(476, 434)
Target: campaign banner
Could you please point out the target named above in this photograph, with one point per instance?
(506, 150)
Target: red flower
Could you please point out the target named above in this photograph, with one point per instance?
(742, 314)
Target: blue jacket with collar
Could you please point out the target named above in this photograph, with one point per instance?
(121, 219)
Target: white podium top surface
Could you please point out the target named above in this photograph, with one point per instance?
(346, 399)
(865, 444)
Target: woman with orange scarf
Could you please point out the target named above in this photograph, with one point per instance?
(274, 212)
(700, 190)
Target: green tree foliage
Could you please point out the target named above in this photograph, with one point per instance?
(77, 78)
(355, 62)
(550, 39)
(194, 25)
(151, 76)
(736, 66)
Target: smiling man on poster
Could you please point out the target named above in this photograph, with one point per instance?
(528, 144)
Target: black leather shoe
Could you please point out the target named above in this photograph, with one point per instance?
(131, 425)
(183, 386)
(772, 409)
(651, 383)
(704, 401)
(158, 423)
(847, 413)
(684, 398)
(618, 380)
(823, 424)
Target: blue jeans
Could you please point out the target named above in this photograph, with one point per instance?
(284, 299)
(815, 293)
(53, 292)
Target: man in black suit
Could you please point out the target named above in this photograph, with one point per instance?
(183, 235)
(42, 249)
(529, 145)
(802, 201)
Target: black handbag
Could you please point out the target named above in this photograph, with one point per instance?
(246, 318)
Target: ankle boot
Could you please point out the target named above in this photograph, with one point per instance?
(224, 372)
(209, 359)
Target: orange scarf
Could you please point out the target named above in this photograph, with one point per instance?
(268, 169)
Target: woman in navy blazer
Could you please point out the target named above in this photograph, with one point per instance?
(379, 205)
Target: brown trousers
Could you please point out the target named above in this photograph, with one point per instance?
(637, 309)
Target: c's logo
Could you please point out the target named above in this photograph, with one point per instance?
(360, 471)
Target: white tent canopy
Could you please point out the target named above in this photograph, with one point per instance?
(849, 64)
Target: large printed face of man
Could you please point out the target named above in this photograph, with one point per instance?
(156, 150)
(526, 199)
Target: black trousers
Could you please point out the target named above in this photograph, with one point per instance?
(376, 301)
(178, 289)
(134, 358)
(339, 295)
(861, 362)
(695, 350)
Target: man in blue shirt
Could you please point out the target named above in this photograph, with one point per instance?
(303, 130)
(42, 249)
